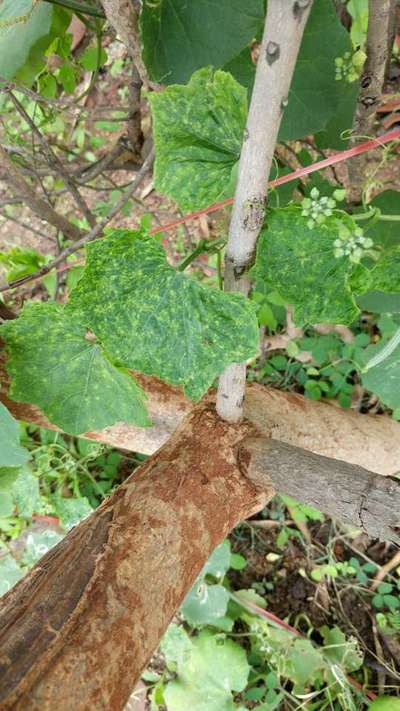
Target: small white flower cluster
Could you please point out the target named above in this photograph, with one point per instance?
(317, 208)
(353, 245)
(349, 67)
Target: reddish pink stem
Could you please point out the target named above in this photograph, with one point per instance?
(331, 160)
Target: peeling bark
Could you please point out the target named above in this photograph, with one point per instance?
(78, 630)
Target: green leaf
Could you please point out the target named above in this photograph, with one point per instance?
(66, 76)
(176, 645)
(316, 99)
(384, 379)
(219, 561)
(26, 32)
(26, 493)
(71, 511)
(205, 681)
(69, 376)
(180, 37)
(11, 453)
(90, 59)
(384, 232)
(300, 264)
(205, 604)
(305, 663)
(157, 320)
(379, 302)
(6, 503)
(21, 26)
(8, 475)
(385, 276)
(10, 573)
(198, 133)
(340, 650)
(385, 703)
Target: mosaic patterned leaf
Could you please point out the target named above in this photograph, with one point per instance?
(155, 319)
(197, 134)
(300, 264)
(56, 365)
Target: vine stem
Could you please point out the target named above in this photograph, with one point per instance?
(283, 32)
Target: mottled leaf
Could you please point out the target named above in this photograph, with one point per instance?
(11, 453)
(180, 37)
(38, 543)
(157, 320)
(198, 133)
(206, 679)
(54, 364)
(300, 264)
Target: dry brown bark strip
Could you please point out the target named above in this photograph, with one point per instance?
(78, 630)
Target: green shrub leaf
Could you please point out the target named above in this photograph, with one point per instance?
(208, 675)
(299, 262)
(205, 604)
(54, 365)
(198, 133)
(180, 37)
(157, 320)
(11, 453)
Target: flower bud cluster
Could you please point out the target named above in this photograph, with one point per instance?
(352, 244)
(349, 67)
(317, 208)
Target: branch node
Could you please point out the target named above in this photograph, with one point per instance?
(273, 52)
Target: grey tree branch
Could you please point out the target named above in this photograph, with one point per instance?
(22, 190)
(371, 85)
(88, 236)
(284, 26)
(346, 491)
